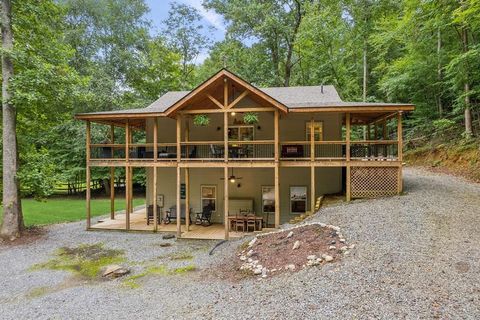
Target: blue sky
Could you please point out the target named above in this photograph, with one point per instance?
(159, 12)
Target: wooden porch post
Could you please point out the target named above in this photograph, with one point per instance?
(112, 193)
(88, 177)
(127, 176)
(225, 136)
(187, 181)
(154, 191)
(127, 197)
(312, 188)
(131, 173)
(179, 151)
(179, 226)
(225, 119)
(155, 155)
(276, 173)
(400, 150)
(112, 175)
(277, 196)
(179, 137)
(312, 167)
(187, 199)
(347, 138)
(225, 202)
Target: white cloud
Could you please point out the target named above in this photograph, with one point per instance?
(211, 16)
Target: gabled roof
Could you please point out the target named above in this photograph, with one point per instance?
(300, 98)
(223, 75)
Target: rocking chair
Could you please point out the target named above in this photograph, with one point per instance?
(204, 218)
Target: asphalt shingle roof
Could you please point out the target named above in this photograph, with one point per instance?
(292, 97)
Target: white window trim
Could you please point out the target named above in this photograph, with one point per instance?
(203, 198)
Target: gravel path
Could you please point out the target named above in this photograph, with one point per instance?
(416, 256)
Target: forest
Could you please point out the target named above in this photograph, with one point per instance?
(75, 56)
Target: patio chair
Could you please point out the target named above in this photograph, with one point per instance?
(204, 217)
(251, 222)
(238, 223)
(216, 151)
(173, 215)
(150, 215)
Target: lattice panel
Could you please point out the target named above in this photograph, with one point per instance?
(370, 182)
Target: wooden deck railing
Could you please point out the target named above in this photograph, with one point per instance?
(368, 150)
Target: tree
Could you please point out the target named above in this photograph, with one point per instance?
(12, 223)
(274, 24)
(184, 33)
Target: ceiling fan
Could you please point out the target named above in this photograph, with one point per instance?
(232, 178)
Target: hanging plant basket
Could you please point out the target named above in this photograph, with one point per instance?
(201, 120)
(250, 118)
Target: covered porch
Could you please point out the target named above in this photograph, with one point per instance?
(138, 222)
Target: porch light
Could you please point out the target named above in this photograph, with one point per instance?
(233, 113)
(232, 180)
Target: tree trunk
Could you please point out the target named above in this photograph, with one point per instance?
(439, 73)
(12, 223)
(468, 113)
(365, 68)
(106, 186)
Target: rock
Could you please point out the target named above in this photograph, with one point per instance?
(290, 234)
(249, 253)
(249, 260)
(342, 240)
(333, 242)
(251, 243)
(323, 225)
(257, 271)
(111, 269)
(332, 248)
(314, 262)
(264, 272)
(296, 245)
(120, 272)
(327, 258)
(166, 244)
(290, 267)
(273, 270)
(351, 246)
(243, 258)
(312, 257)
(168, 236)
(346, 252)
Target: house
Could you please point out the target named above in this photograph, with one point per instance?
(227, 148)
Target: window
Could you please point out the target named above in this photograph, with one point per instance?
(298, 199)
(209, 196)
(268, 199)
(317, 130)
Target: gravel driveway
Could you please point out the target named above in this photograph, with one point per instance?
(416, 256)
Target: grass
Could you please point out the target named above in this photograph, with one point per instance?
(58, 210)
(86, 260)
(180, 255)
(158, 270)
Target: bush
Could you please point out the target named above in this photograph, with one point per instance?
(201, 120)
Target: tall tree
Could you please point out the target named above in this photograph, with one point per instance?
(12, 223)
(274, 24)
(185, 33)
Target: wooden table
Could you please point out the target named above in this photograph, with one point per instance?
(257, 219)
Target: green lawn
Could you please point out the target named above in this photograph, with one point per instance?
(58, 210)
